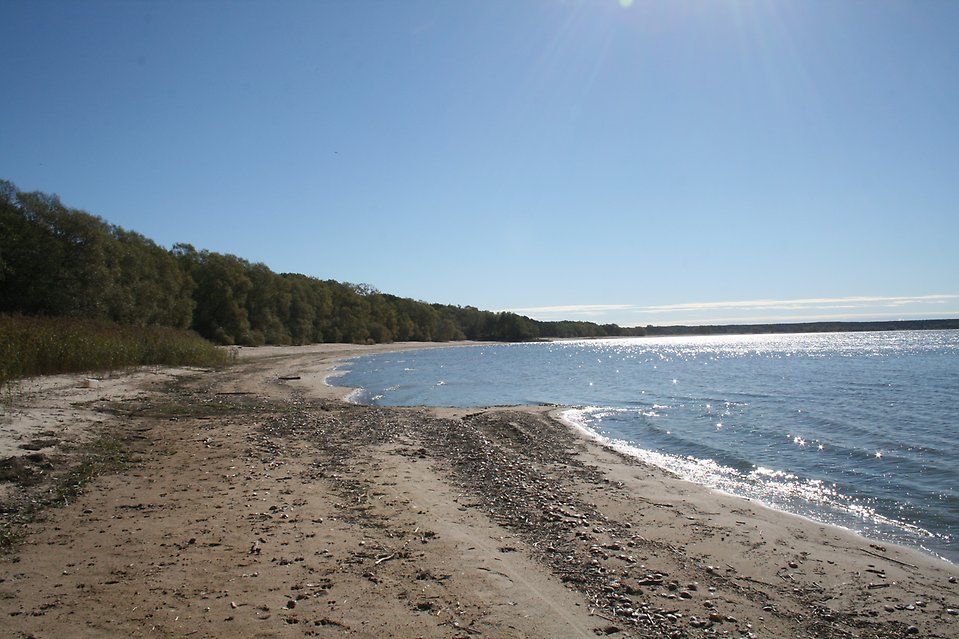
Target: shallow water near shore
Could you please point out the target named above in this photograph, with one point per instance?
(850, 429)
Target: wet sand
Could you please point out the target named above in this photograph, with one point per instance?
(259, 504)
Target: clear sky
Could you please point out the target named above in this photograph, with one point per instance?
(645, 162)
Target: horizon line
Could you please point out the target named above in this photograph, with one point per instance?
(869, 307)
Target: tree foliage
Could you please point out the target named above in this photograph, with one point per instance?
(56, 261)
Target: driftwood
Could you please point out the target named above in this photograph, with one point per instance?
(895, 561)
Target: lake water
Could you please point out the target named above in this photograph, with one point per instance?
(852, 429)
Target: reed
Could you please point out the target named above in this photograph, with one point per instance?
(49, 345)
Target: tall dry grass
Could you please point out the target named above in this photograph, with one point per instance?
(49, 345)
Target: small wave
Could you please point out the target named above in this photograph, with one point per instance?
(773, 488)
(355, 396)
(602, 412)
(330, 377)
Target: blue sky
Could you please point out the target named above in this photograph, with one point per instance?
(656, 162)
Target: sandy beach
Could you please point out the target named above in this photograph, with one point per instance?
(255, 502)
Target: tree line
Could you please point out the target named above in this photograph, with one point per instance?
(61, 262)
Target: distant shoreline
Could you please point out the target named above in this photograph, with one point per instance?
(804, 327)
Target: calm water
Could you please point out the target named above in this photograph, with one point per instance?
(853, 429)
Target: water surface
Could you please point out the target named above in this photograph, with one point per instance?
(851, 429)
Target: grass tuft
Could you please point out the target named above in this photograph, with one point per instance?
(9, 537)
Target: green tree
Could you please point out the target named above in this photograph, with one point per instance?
(221, 293)
(268, 306)
(148, 285)
(54, 259)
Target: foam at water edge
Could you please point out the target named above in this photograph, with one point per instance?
(355, 396)
(332, 375)
(341, 369)
(757, 485)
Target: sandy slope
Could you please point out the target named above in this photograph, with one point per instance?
(264, 507)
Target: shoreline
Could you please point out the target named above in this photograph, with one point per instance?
(557, 414)
(424, 522)
(627, 451)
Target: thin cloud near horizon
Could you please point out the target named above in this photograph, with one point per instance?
(825, 317)
(860, 301)
(849, 303)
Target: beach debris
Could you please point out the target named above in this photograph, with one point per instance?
(523, 473)
(895, 561)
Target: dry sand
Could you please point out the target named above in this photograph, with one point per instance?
(259, 506)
